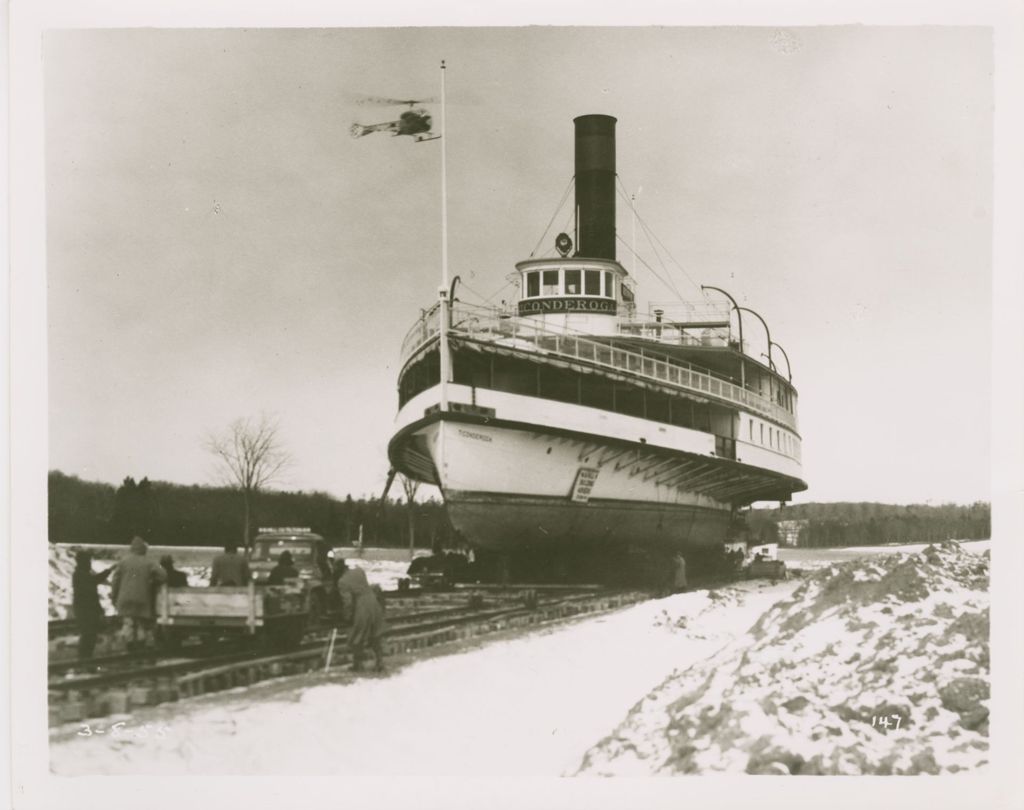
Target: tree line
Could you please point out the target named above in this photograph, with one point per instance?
(173, 514)
(179, 515)
(870, 524)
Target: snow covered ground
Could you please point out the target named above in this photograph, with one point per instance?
(875, 665)
(540, 700)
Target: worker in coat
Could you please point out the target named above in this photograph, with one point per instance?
(133, 585)
(367, 611)
(679, 583)
(85, 602)
(229, 568)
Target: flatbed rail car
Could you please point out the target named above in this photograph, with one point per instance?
(277, 612)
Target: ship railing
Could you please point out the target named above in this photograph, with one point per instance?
(503, 328)
(422, 332)
(675, 334)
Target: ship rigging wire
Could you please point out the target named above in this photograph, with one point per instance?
(652, 238)
(650, 233)
(653, 272)
(561, 202)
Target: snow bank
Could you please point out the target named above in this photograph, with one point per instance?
(874, 666)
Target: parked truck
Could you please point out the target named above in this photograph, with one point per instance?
(312, 556)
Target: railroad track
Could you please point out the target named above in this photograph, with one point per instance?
(115, 692)
(399, 610)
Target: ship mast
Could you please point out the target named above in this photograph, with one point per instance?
(444, 309)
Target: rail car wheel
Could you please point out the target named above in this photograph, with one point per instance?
(317, 606)
(168, 640)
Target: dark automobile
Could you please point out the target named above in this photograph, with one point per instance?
(438, 571)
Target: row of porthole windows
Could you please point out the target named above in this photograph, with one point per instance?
(541, 283)
(772, 437)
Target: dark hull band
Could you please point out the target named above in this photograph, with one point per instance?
(503, 522)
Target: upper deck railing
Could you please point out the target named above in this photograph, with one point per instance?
(524, 334)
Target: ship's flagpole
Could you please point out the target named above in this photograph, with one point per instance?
(445, 304)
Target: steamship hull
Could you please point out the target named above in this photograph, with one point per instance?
(509, 486)
(576, 479)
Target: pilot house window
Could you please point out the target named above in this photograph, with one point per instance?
(609, 285)
(593, 282)
(532, 284)
(550, 285)
(572, 282)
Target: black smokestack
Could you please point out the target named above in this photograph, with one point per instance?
(595, 186)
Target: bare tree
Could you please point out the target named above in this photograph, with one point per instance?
(410, 486)
(249, 456)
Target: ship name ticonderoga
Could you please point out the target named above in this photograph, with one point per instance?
(480, 437)
(604, 306)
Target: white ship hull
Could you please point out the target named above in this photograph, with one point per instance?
(558, 476)
(506, 488)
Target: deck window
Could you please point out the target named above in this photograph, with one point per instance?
(629, 400)
(472, 368)
(515, 376)
(556, 383)
(657, 406)
(593, 282)
(702, 418)
(550, 283)
(572, 282)
(596, 392)
(421, 375)
(532, 285)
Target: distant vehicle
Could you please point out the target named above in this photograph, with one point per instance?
(415, 122)
(438, 571)
(764, 563)
(311, 554)
(766, 551)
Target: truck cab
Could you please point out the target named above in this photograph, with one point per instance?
(311, 554)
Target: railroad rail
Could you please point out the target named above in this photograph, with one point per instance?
(97, 695)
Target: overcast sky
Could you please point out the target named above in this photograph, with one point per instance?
(219, 246)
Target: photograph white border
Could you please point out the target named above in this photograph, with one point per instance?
(32, 784)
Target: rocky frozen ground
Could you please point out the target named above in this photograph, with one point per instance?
(795, 677)
(875, 666)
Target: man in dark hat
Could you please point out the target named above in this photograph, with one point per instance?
(175, 577)
(285, 569)
(85, 602)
